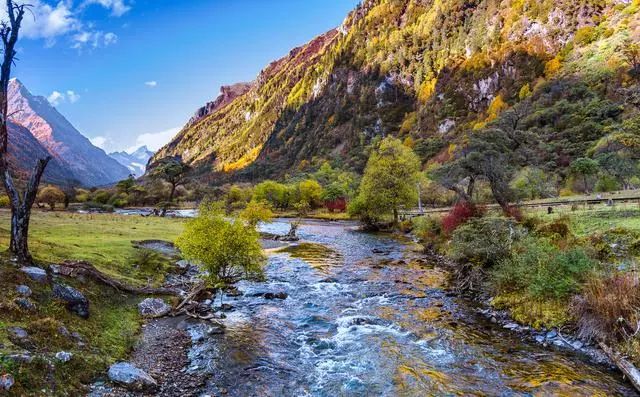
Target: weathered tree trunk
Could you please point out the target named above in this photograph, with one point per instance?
(171, 194)
(21, 210)
(471, 186)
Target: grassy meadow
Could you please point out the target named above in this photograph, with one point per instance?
(105, 240)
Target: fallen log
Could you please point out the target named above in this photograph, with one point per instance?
(629, 370)
(81, 268)
(190, 297)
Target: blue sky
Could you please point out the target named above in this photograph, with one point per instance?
(131, 72)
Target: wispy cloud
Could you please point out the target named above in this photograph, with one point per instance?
(93, 39)
(100, 141)
(151, 83)
(118, 7)
(57, 97)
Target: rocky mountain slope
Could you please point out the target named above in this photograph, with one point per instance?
(88, 164)
(24, 150)
(135, 161)
(430, 72)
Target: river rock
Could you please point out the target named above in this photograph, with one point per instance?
(276, 295)
(64, 356)
(153, 308)
(25, 304)
(511, 326)
(74, 300)
(24, 290)
(552, 334)
(131, 377)
(233, 292)
(35, 273)
(6, 382)
(19, 337)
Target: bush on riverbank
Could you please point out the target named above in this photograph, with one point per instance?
(227, 250)
(545, 274)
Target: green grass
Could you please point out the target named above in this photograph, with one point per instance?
(587, 220)
(102, 239)
(112, 328)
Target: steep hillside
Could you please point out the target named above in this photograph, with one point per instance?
(135, 161)
(90, 165)
(24, 150)
(431, 72)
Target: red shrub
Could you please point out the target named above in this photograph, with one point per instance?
(514, 212)
(339, 204)
(459, 214)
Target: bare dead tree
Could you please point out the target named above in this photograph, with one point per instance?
(20, 203)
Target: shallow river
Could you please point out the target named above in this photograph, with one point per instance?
(356, 323)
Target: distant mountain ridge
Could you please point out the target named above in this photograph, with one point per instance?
(87, 164)
(135, 161)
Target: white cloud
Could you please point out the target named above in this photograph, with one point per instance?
(44, 21)
(155, 140)
(93, 39)
(50, 22)
(72, 96)
(117, 7)
(151, 83)
(100, 141)
(57, 97)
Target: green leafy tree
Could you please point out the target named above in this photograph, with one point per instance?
(51, 195)
(310, 192)
(125, 185)
(532, 183)
(237, 198)
(174, 172)
(256, 212)
(272, 192)
(619, 166)
(228, 250)
(585, 167)
(389, 182)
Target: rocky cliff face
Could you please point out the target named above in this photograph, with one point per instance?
(430, 72)
(227, 94)
(89, 165)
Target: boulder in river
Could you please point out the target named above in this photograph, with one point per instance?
(131, 377)
(271, 295)
(276, 295)
(74, 300)
(35, 273)
(153, 308)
